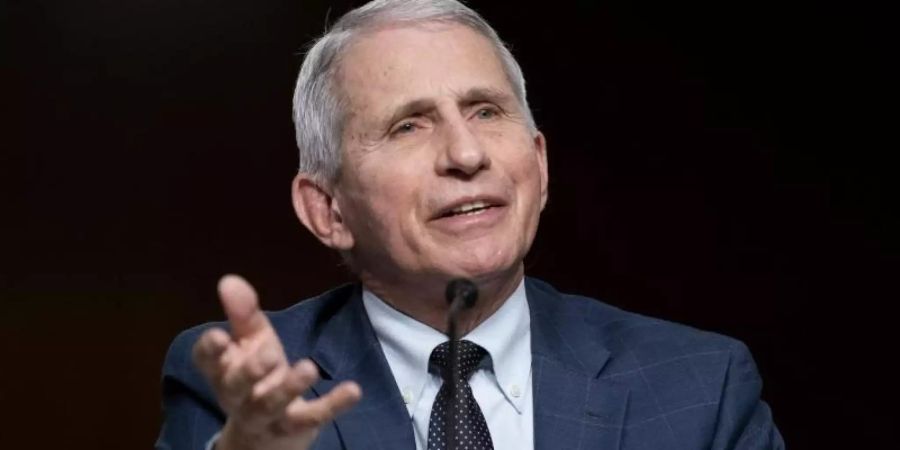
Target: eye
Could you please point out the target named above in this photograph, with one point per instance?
(405, 127)
(486, 113)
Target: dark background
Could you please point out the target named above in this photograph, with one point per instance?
(727, 165)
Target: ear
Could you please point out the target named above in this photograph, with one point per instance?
(320, 214)
(540, 146)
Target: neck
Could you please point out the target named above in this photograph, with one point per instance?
(425, 301)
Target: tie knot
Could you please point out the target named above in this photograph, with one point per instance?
(470, 357)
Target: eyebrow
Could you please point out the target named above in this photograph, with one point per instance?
(410, 108)
(467, 98)
(485, 94)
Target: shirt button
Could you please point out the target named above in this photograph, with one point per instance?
(407, 395)
(515, 391)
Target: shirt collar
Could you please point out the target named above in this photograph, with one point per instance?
(407, 344)
(506, 335)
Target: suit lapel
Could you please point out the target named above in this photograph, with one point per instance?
(347, 349)
(573, 407)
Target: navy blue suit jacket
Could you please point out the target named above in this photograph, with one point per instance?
(603, 379)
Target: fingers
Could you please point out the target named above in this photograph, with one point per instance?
(242, 307)
(255, 385)
(270, 400)
(208, 351)
(234, 364)
(301, 414)
(289, 383)
(241, 375)
(272, 394)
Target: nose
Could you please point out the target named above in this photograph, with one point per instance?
(462, 154)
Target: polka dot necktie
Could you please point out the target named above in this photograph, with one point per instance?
(470, 429)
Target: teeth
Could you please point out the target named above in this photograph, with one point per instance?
(469, 207)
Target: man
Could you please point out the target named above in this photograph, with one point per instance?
(420, 162)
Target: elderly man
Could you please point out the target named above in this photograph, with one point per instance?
(420, 163)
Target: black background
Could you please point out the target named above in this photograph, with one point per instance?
(727, 165)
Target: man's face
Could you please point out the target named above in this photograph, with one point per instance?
(441, 175)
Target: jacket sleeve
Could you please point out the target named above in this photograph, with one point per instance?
(191, 415)
(744, 421)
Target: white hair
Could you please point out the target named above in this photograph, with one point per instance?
(318, 105)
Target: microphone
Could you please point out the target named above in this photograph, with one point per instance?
(461, 294)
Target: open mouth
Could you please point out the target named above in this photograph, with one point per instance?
(468, 209)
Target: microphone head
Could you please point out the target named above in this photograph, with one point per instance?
(462, 289)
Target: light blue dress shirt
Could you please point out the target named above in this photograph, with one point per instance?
(503, 394)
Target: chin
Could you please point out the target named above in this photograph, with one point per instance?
(484, 263)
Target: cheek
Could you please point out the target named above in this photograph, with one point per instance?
(389, 198)
(527, 176)
(524, 166)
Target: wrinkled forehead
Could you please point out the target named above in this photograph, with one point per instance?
(392, 64)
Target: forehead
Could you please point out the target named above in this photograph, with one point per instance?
(393, 64)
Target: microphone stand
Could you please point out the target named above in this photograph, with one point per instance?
(461, 294)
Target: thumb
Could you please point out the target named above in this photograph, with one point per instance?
(241, 306)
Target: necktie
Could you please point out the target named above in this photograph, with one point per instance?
(470, 429)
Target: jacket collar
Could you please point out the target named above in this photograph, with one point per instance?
(560, 333)
(572, 401)
(347, 349)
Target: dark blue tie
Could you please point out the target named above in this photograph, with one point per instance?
(470, 429)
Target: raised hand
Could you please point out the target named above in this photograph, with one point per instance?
(254, 383)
